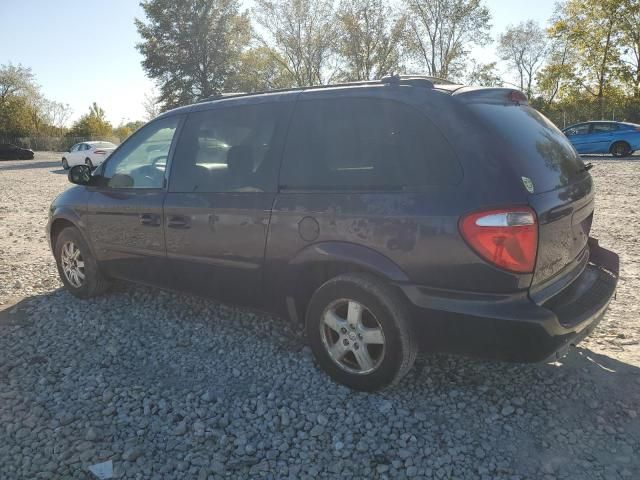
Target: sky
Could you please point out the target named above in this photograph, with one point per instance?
(82, 51)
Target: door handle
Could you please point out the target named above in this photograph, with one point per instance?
(150, 219)
(178, 221)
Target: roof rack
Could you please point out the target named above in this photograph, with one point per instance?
(393, 79)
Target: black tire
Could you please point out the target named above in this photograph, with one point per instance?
(88, 163)
(94, 283)
(620, 149)
(387, 307)
(65, 164)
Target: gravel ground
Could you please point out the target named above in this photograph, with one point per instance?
(171, 386)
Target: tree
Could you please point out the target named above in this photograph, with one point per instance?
(16, 80)
(484, 75)
(92, 124)
(16, 119)
(591, 27)
(123, 130)
(557, 73)
(191, 47)
(300, 34)
(441, 33)
(151, 106)
(630, 44)
(260, 69)
(369, 39)
(524, 47)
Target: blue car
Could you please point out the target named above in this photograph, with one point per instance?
(617, 138)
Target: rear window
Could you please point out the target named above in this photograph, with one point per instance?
(104, 145)
(365, 143)
(544, 154)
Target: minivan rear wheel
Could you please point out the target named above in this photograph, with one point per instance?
(77, 267)
(360, 332)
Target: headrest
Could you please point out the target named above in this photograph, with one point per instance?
(240, 160)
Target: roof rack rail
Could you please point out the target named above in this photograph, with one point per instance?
(415, 80)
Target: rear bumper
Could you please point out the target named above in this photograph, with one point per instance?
(513, 327)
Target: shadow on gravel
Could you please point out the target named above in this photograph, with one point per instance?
(29, 165)
(595, 156)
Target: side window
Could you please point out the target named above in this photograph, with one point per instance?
(74, 148)
(228, 149)
(582, 129)
(604, 127)
(365, 143)
(141, 161)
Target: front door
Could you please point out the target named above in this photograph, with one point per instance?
(222, 187)
(125, 211)
(579, 137)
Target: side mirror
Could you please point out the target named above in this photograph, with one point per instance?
(80, 175)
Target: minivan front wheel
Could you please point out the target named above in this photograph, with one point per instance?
(360, 332)
(77, 267)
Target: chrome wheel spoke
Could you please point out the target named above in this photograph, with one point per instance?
(80, 264)
(80, 274)
(363, 358)
(354, 314)
(337, 351)
(372, 336)
(333, 321)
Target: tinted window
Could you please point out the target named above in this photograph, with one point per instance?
(604, 127)
(582, 129)
(141, 161)
(365, 143)
(541, 152)
(228, 149)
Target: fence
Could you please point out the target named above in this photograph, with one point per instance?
(53, 144)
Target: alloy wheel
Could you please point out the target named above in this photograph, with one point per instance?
(72, 264)
(352, 336)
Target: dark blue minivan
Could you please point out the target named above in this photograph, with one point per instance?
(385, 216)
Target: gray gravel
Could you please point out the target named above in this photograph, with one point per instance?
(171, 386)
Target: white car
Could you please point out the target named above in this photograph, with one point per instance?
(91, 154)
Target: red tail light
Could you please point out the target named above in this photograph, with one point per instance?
(100, 152)
(506, 237)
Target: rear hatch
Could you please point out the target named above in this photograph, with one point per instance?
(560, 187)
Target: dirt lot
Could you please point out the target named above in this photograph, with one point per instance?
(170, 386)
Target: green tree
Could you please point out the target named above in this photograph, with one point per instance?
(484, 75)
(592, 29)
(523, 47)
(369, 39)
(16, 117)
(92, 125)
(261, 69)
(124, 130)
(16, 80)
(442, 32)
(191, 47)
(630, 45)
(301, 36)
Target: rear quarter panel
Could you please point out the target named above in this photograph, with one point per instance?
(417, 231)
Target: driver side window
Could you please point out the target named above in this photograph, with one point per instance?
(141, 161)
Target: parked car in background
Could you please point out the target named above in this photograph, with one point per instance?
(620, 139)
(91, 154)
(385, 216)
(9, 151)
